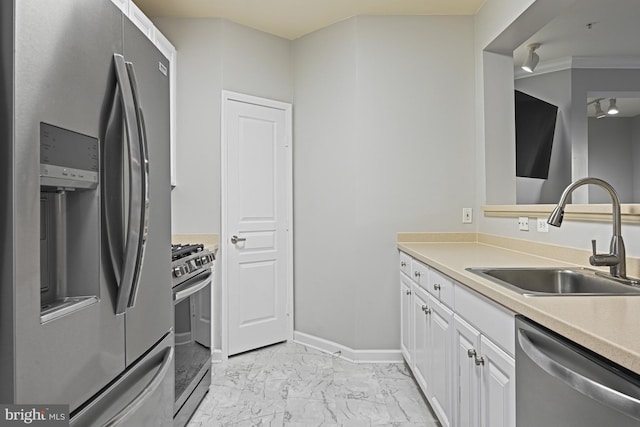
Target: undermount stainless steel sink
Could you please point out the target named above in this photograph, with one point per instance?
(558, 281)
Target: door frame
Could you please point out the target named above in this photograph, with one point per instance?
(224, 233)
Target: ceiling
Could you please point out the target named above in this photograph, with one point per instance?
(291, 19)
(615, 32)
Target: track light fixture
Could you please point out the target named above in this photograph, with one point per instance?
(599, 113)
(611, 111)
(532, 58)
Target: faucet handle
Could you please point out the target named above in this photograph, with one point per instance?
(602, 259)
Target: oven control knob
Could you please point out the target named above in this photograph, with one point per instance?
(204, 259)
(177, 271)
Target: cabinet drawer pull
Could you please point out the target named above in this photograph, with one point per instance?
(407, 292)
(416, 273)
(472, 354)
(436, 287)
(403, 264)
(426, 310)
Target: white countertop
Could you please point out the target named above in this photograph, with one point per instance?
(608, 325)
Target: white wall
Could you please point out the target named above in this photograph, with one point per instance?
(215, 55)
(195, 201)
(611, 157)
(512, 22)
(383, 143)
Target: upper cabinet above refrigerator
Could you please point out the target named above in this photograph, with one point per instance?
(145, 25)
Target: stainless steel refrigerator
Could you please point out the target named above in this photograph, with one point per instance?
(85, 287)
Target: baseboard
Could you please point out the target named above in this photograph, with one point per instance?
(217, 356)
(344, 352)
(182, 338)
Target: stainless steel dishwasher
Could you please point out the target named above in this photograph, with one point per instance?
(560, 384)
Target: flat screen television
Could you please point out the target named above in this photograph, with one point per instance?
(535, 127)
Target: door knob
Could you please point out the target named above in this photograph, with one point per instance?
(235, 239)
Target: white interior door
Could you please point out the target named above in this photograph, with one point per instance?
(256, 211)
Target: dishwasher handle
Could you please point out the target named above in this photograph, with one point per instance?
(621, 402)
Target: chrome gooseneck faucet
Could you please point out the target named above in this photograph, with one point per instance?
(616, 258)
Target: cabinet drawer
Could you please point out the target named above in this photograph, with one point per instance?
(405, 263)
(419, 273)
(441, 287)
(494, 321)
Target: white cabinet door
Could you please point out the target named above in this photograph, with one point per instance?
(498, 391)
(466, 381)
(406, 331)
(421, 338)
(441, 334)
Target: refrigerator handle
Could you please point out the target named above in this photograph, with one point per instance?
(112, 172)
(144, 168)
(147, 391)
(136, 181)
(587, 386)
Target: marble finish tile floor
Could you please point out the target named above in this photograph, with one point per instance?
(291, 385)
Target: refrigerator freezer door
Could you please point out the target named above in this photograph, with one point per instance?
(139, 397)
(7, 308)
(63, 59)
(151, 315)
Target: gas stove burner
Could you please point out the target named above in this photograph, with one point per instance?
(180, 251)
(188, 261)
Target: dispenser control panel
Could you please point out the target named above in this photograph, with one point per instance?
(68, 159)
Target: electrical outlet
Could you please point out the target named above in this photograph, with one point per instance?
(543, 227)
(523, 223)
(467, 215)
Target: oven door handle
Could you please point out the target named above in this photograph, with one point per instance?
(193, 288)
(587, 386)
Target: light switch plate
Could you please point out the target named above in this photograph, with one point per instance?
(467, 215)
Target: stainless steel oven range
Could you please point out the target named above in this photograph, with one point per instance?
(192, 276)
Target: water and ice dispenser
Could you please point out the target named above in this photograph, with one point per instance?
(69, 221)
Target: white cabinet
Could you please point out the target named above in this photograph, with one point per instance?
(431, 326)
(405, 263)
(421, 338)
(135, 15)
(460, 348)
(466, 408)
(439, 354)
(498, 388)
(406, 321)
(485, 382)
